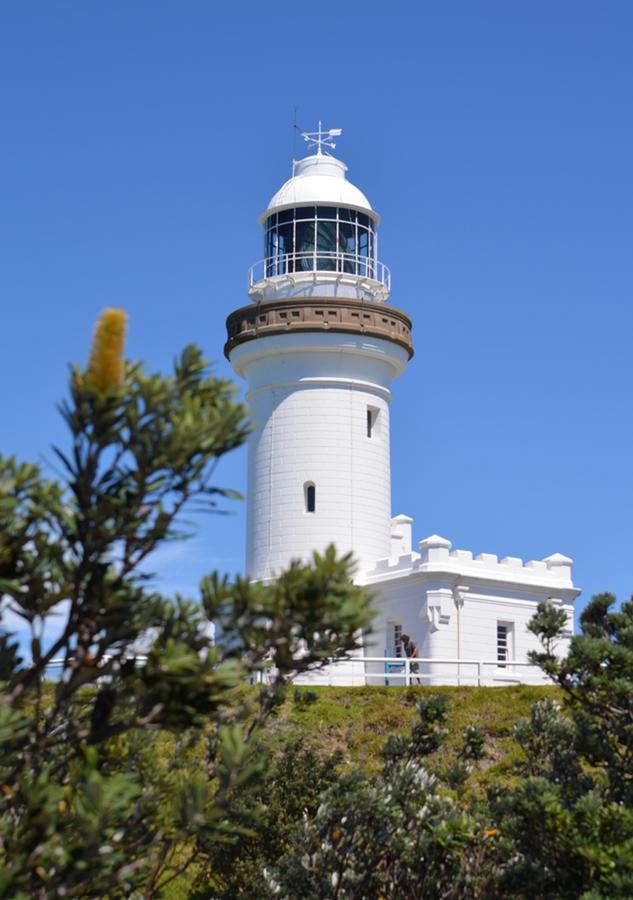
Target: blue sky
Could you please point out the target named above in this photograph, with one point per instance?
(142, 140)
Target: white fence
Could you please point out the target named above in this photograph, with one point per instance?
(57, 665)
(381, 670)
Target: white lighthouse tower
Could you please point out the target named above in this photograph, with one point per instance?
(319, 347)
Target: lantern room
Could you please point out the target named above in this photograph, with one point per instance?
(320, 237)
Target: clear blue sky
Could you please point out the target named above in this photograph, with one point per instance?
(140, 141)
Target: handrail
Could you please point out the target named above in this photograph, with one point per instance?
(59, 663)
(443, 660)
(503, 671)
(311, 262)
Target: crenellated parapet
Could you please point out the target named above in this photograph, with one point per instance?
(436, 556)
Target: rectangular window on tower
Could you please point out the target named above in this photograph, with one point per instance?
(504, 643)
(372, 421)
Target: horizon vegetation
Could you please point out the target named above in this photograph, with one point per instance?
(151, 769)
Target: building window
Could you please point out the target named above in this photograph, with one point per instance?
(397, 639)
(394, 639)
(504, 643)
(372, 420)
(309, 491)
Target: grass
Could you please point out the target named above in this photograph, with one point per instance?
(358, 720)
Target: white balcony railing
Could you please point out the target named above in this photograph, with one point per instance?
(342, 264)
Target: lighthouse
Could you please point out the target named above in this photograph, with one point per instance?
(319, 346)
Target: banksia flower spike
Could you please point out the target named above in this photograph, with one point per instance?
(105, 365)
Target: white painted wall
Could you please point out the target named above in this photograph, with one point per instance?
(468, 632)
(308, 396)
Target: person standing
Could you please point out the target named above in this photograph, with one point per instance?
(411, 651)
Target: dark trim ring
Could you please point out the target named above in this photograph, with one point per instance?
(316, 314)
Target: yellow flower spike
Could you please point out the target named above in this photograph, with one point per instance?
(105, 365)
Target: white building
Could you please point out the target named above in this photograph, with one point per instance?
(319, 347)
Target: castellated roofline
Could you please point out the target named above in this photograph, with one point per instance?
(436, 557)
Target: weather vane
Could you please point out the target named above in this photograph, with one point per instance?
(321, 138)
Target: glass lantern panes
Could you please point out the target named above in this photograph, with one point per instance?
(320, 239)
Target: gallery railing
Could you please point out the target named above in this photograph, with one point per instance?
(311, 262)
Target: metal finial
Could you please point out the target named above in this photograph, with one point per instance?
(321, 138)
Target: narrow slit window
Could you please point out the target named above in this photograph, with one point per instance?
(310, 497)
(372, 419)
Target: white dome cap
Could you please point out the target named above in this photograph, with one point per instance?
(319, 179)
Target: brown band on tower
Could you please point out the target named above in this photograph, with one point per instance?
(318, 314)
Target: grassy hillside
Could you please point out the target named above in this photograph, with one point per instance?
(358, 720)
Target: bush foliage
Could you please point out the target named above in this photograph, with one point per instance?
(149, 769)
(84, 808)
